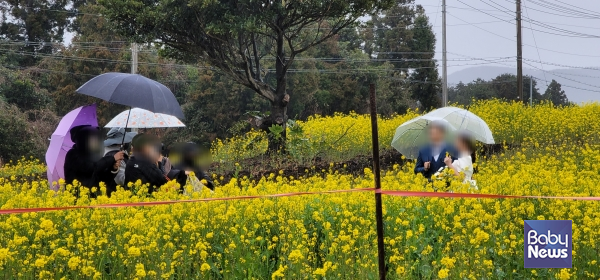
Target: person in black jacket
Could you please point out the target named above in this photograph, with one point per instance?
(117, 140)
(143, 164)
(84, 162)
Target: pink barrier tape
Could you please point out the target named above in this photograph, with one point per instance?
(478, 195)
(153, 203)
(385, 192)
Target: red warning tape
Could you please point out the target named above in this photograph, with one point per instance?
(478, 195)
(385, 192)
(152, 203)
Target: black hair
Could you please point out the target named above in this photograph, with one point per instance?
(164, 151)
(471, 145)
(141, 140)
(81, 134)
(126, 147)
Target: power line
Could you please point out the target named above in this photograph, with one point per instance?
(292, 70)
(566, 33)
(585, 9)
(323, 59)
(557, 14)
(591, 90)
(501, 9)
(563, 65)
(510, 39)
(73, 12)
(546, 80)
(579, 82)
(535, 43)
(558, 8)
(571, 74)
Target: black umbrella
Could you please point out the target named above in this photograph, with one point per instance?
(133, 90)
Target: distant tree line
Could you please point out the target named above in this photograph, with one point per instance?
(505, 87)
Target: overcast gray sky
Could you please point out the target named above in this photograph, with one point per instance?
(486, 29)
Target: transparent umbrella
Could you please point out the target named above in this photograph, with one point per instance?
(412, 135)
(463, 120)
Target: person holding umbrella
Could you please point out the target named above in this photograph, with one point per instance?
(116, 140)
(431, 158)
(84, 161)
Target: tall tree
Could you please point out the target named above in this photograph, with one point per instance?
(33, 27)
(241, 37)
(393, 33)
(505, 86)
(424, 79)
(556, 94)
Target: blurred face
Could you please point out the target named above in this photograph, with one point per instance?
(460, 145)
(151, 152)
(436, 135)
(95, 147)
(94, 143)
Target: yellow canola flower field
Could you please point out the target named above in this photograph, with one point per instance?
(316, 236)
(341, 137)
(324, 236)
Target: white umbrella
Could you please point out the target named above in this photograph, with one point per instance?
(462, 119)
(140, 118)
(412, 135)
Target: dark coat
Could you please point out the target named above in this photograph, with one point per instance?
(425, 155)
(146, 171)
(149, 173)
(109, 180)
(80, 166)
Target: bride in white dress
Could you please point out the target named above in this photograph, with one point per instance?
(465, 146)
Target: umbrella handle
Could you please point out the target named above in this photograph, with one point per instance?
(125, 132)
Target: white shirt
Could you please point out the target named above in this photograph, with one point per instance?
(436, 151)
(464, 164)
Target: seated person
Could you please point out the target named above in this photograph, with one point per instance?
(143, 164)
(84, 161)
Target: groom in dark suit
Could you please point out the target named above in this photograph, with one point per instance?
(431, 158)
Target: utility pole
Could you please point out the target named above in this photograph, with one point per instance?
(519, 54)
(134, 66)
(134, 58)
(444, 61)
(530, 91)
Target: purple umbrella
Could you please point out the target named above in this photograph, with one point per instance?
(60, 142)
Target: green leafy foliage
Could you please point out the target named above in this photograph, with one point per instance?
(425, 81)
(276, 131)
(17, 139)
(555, 94)
(20, 89)
(253, 42)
